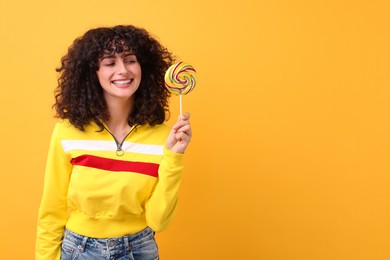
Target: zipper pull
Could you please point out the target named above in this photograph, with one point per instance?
(120, 152)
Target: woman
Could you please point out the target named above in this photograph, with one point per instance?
(114, 168)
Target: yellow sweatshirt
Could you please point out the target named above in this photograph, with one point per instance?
(97, 187)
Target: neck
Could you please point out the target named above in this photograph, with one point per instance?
(119, 111)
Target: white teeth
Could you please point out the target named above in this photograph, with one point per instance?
(118, 82)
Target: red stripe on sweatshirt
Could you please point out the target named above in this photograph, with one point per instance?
(101, 163)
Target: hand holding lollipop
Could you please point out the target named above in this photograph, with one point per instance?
(180, 79)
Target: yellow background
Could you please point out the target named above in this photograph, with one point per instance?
(291, 120)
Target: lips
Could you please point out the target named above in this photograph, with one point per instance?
(122, 83)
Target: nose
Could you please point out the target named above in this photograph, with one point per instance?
(121, 68)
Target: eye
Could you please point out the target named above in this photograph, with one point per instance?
(109, 64)
(130, 61)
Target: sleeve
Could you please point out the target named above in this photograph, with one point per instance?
(161, 206)
(52, 214)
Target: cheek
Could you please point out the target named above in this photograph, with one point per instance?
(102, 76)
(98, 74)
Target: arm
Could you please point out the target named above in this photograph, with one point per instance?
(52, 214)
(161, 206)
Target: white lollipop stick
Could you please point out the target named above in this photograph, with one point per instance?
(181, 105)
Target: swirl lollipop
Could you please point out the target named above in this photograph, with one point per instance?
(180, 79)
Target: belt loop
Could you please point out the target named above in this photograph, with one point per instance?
(127, 244)
(81, 246)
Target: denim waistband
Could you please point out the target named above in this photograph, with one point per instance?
(125, 242)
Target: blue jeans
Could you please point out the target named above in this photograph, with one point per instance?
(141, 245)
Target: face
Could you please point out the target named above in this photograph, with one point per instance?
(119, 75)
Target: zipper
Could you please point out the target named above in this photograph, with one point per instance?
(119, 151)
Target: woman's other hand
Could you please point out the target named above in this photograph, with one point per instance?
(180, 134)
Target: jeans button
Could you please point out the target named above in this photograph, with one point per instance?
(111, 243)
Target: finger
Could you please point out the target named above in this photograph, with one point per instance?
(184, 128)
(183, 138)
(179, 124)
(184, 117)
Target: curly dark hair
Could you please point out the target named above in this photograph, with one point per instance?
(79, 96)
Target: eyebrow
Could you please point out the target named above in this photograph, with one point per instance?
(113, 55)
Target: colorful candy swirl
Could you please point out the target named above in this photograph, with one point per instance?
(180, 78)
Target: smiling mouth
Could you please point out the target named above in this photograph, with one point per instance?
(122, 82)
